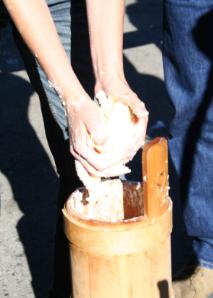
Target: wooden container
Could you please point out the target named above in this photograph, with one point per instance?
(130, 258)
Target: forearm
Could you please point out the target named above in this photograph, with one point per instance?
(106, 20)
(34, 22)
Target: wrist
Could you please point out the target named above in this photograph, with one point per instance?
(109, 71)
(106, 65)
(76, 103)
(72, 93)
(108, 80)
(68, 87)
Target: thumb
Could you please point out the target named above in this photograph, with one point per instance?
(140, 110)
(136, 106)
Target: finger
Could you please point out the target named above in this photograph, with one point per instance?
(115, 171)
(82, 145)
(138, 107)
(94, 158)
(112, 169)
(90, 176)
(140, 133)
(134, 103)
(94, 123)
(88, 167)
(89, 181)
(91, 144)
(140, 110)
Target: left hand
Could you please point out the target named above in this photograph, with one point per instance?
(120, 91)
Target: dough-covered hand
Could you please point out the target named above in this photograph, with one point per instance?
(119, 91)
(85, 123)
(139, 115)
(89, 138)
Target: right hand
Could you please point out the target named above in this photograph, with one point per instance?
(87, 138)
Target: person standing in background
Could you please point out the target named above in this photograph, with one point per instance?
(188, 70)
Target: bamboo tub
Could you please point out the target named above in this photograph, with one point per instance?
(130, 258)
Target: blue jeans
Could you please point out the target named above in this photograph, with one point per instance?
(67, 14)
(188, 67)
(56, 131)
(61, 13)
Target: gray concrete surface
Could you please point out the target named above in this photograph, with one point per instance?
(28, 181)
(28, 184)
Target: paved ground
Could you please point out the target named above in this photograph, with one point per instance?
(28, 182)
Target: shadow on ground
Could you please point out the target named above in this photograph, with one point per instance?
(25, 163)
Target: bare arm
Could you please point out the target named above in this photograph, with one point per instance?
(33, 20)
(106, 20)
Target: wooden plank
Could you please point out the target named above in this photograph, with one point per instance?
(155, 177)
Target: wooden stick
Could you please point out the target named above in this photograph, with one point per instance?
(155, 177)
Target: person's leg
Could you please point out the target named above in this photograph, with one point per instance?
(189, 79)
(57, 136)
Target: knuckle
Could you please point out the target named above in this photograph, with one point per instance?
(78, 147)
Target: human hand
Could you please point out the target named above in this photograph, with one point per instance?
(88, 137)
(118, 90)
(85, 122)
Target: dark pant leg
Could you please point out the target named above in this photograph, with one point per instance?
(189, 79)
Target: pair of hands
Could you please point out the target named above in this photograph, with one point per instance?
(88, 134)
